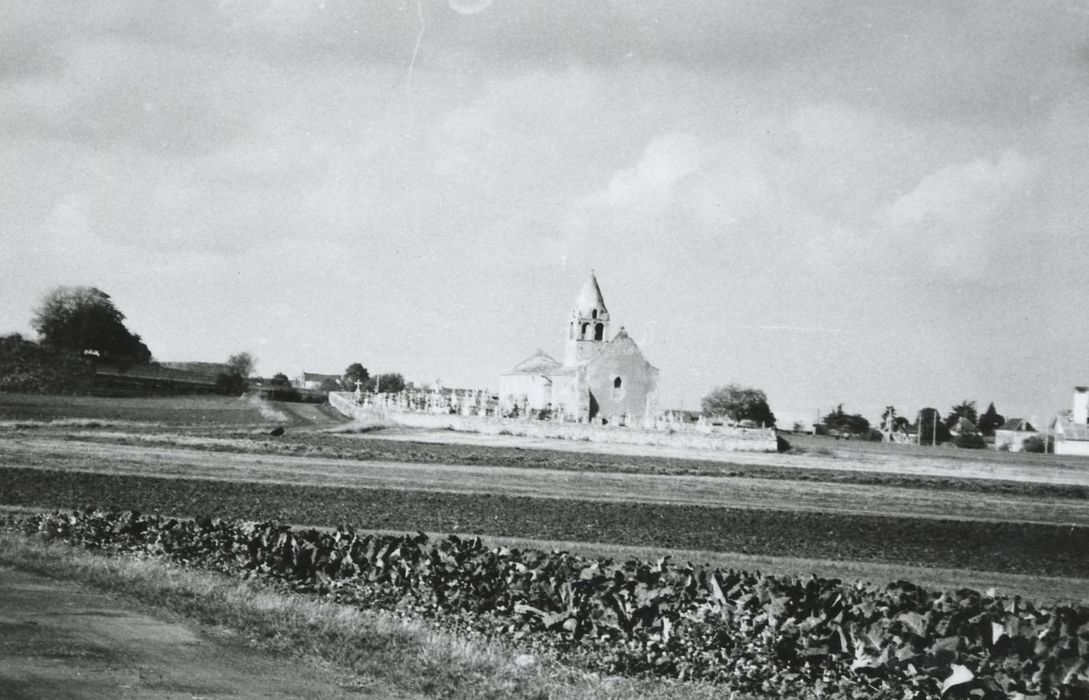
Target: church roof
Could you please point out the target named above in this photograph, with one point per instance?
(539, 362)
(621, 344)
(590, 296)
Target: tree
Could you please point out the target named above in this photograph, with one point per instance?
(230, 383)
(891, 421)
(391, 383)
(927, 419)
(843, 422)
(239, 368)
(242, 364)
(356, 372)
(85, 321)
(971, 441)
(990, 420)
(965, 409)
(279, 379)
(330, 384)
(739, 403)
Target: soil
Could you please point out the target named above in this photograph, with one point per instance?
(1025, 548)
(192, 462)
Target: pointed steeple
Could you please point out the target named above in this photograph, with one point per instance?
(588, 326)
(590, 297)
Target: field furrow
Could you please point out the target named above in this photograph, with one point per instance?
(745, 492)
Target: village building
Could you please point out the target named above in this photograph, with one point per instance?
(1011, 435)
(314, 380)
(601, 377)
(1071, 429)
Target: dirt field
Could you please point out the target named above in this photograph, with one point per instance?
(987, 515)
(184, 461)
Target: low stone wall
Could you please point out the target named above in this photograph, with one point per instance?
(718, 438)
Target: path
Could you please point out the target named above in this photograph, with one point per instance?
(62, 640)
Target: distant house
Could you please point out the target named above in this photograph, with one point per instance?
(963, 426)
(313, 380)
(1070, 438)
(1071, 429)
(1011, 435)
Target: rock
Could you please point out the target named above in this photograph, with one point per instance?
(525, 661)
(277, 431)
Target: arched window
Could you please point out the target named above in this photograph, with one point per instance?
(599, 331)
(585, 331)
(593, 314)
(617, 383)
(618, 390)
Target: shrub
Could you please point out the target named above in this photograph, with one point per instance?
(1037, 443)
(971, 441)
(27, 367)
(230, 383)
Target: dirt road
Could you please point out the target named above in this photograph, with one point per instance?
(62, 640)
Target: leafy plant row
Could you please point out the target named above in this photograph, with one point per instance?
(752, 633)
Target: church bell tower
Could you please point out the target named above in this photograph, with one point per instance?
(588, 326)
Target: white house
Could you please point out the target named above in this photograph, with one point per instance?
(1071, 430)
(1011, 435)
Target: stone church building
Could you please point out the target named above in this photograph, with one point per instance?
(600, 378)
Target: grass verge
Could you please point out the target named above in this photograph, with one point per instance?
(389, 655)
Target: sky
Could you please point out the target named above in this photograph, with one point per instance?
(872, 204)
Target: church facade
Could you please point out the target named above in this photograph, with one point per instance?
(600, 378)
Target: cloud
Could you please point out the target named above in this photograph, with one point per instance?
(650, 183)
(750, 191)
(963, 214)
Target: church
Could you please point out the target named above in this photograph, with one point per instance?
(600, 378)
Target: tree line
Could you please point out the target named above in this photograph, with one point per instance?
(962, 424)
(84, 321)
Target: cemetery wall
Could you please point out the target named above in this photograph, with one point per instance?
(683, 435)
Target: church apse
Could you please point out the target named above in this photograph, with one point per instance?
(621, 380)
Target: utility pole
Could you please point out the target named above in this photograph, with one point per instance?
(934, 433)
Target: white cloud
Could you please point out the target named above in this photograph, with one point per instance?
(979, 189)
(649, 185)
(960, 215)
